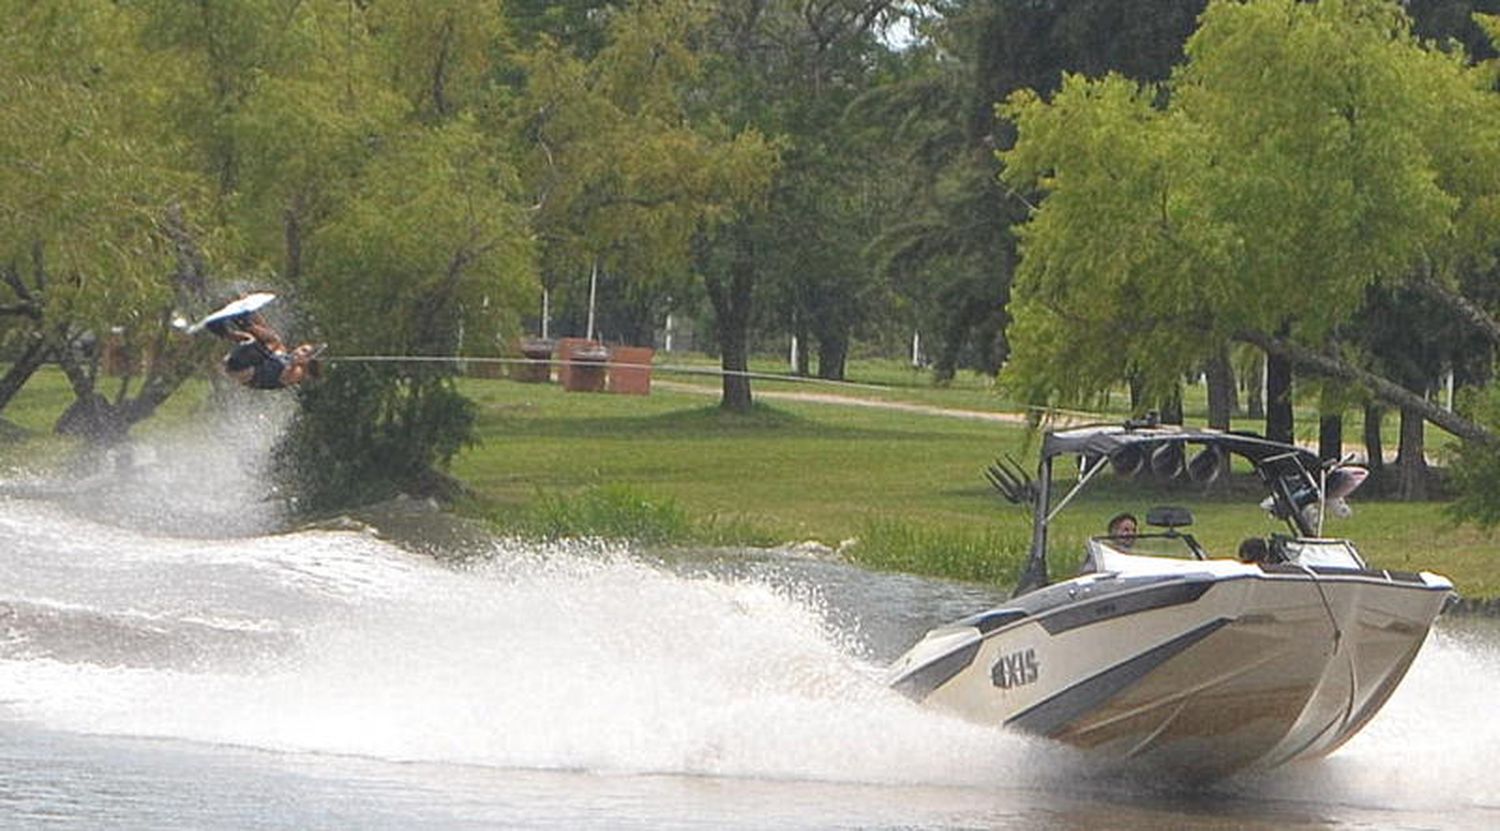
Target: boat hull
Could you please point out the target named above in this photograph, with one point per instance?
(1204, 674)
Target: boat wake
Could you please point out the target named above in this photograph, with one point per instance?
(123, 619)
(129, 615)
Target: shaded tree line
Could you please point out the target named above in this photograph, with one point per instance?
(417, 175)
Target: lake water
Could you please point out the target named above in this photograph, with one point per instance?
(169, 659)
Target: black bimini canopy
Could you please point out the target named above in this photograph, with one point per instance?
(1107, 440)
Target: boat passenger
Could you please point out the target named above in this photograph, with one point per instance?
(1254, 550)
(1122, 529)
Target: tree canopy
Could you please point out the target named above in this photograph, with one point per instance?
(1256, 205)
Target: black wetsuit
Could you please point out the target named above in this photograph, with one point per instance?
(255, 355)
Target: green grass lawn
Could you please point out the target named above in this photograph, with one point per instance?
(797, 471)
(36, 408)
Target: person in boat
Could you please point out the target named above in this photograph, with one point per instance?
(260, 359)
(1122, 529)
(1254, 550)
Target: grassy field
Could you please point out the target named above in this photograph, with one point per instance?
(671, 467)
(909, 486)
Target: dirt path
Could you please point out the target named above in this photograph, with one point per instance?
(1058, 420)
(853, 401)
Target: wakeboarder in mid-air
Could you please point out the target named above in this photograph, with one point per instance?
(259, 359)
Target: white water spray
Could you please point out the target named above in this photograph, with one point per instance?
(568, 658)
(1434, 746)
(209, 478)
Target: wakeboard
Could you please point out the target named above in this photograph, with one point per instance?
(244, 305)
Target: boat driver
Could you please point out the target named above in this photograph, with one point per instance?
(1122, 529)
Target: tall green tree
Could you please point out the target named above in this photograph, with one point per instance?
(950, 252)
(430, 258)
(1254, 206)
(93, 228)
(792, 70)
(426, 253)
(626, 175)
(362, 168)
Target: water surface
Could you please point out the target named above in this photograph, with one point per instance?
(172, 657)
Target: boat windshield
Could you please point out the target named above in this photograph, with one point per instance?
(1180, 546)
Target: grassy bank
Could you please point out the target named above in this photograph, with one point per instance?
(907, 486)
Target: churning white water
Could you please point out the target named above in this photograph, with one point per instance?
(157, 629)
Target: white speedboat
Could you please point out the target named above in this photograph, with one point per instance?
(1162, 653)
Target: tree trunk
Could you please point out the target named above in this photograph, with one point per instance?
(803, 363)
(1219, 378)
(90, 416)
(732, 313)
(1374, 446)
(734, 335)
(945, 366)
(1171, 407)
(1279, 423)
(172, 364)
(833, 353)
(21, 371)
(1465, 309)
(1411, 458)
(172, 360)
(1385, 389)
(1255, 402)
(191, 277)
(1331, 435)
(989, 330)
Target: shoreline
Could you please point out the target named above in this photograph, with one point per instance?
(1485, 607)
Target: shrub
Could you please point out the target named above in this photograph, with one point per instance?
(617, 511)
(992, 555)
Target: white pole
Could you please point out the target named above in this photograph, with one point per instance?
(593, 287)
(793, 357)
(668, 341)
(1265, 381)
(916, 348)
(1449, 383)
(546, 311)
